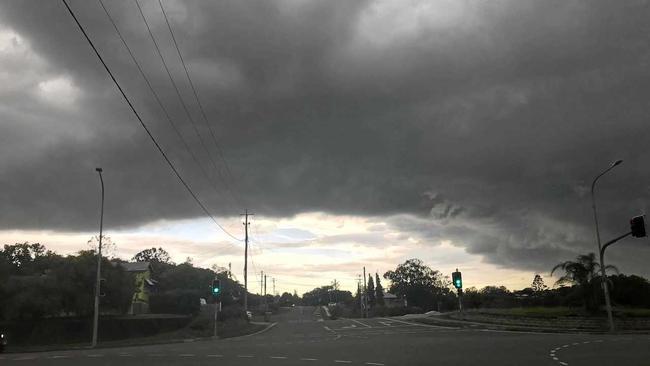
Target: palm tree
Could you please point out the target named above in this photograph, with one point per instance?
(584, 273)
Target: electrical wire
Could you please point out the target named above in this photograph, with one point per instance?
(198, 100)
(158, 100)
(137, 115)
(177, 90)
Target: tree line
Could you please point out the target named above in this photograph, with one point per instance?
(37, 283)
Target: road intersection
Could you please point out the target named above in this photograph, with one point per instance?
(300, 337)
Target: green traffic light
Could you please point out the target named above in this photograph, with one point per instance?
(215, 290)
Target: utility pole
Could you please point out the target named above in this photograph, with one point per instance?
(262, 283)
(274, 293)
(359, 292)
(266, 305)
(365, 295)
(230, 270)
(98, 282)
(246, 224)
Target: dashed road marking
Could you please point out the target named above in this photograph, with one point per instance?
(186, 355)
(278, 357)
(25, 358)
(214, 356)
(342, 361)
(59, 356)
(358, 322)
(245, 356)
(374, 363)
(308, 359)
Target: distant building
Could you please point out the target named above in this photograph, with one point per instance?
(392, 301)
(144, 285)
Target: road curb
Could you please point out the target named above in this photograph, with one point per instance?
(269, 326)
(473, 325)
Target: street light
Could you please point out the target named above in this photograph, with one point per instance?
(99, 264)
(603, 277)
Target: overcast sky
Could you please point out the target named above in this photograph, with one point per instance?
(465, 133)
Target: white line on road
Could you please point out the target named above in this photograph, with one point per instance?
(245, 356)
(358, 322)
(308, 359)
(278, 357)
(186, 355)
(342, 361)
(563, 363)
(374, 363)
(59, 356)
(25, 358)
(214, 356)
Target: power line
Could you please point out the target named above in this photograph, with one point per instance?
(198, 100)
(153, 139)
(177, 90)
(157, 98)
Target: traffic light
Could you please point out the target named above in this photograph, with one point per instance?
(637, 226)
(457, 279)
(216, 288)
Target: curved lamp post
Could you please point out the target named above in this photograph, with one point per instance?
(600, 252)
(99, 264)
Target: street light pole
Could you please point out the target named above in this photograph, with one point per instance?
(99, 264)
(603, 275)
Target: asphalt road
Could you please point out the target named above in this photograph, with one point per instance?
(301, 337)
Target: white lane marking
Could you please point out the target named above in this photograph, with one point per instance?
(95, 355)
(126, 355)
(563, 363)
(358, 322)
(278, 357)
(308, 359)
(388, 324)
(555, 358)
(25, 358)
(374, 363)
(245, 356)
(576, 343)
(565, 346)
(186, 355)
(327, 328)
(59, 356)
(342, 361)
(214, 356)
(586, 342)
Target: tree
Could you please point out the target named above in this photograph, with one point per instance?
(153, 255)
(538, 284)
(379, 290)
(584, 274)
(422, 286)
(370, 291)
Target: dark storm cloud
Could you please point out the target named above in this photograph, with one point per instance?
(488, 122)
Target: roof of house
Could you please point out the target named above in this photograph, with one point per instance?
(137, 266)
